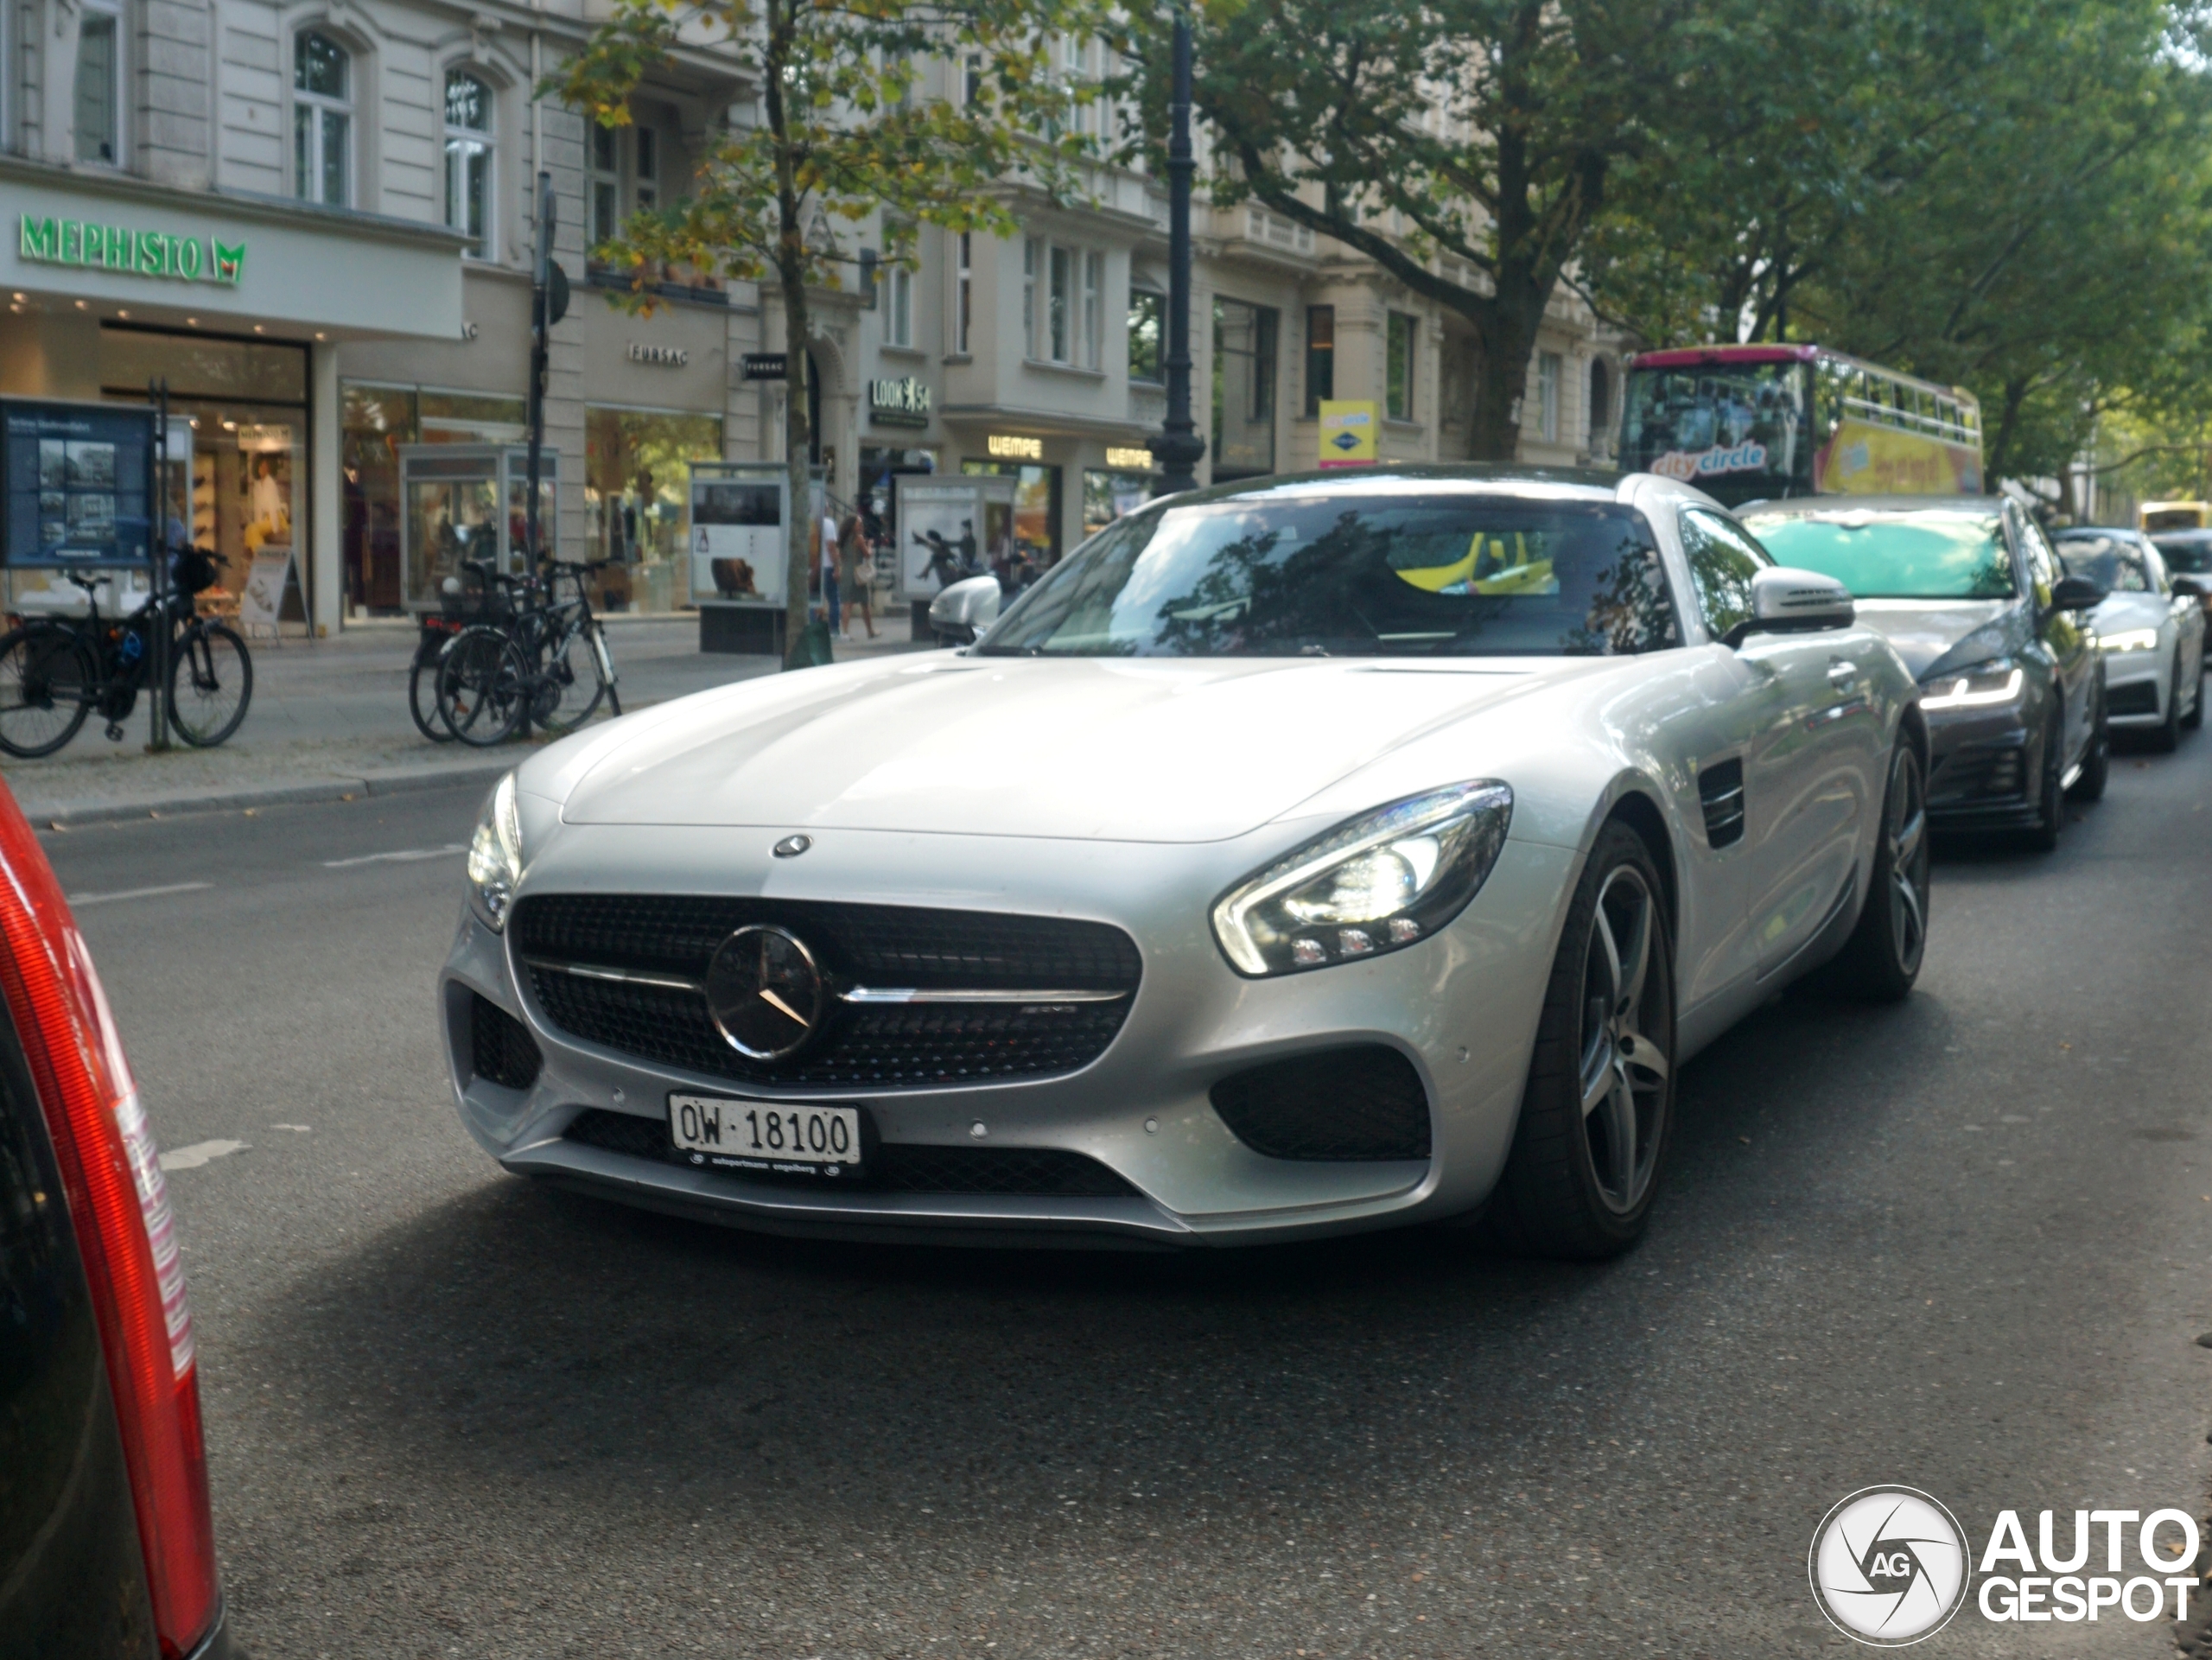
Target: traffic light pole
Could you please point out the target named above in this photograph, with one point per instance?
(545, 310)
(1179, 448)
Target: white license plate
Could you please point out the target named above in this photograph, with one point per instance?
(770, 1137)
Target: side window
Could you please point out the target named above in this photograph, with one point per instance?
(1723, 559)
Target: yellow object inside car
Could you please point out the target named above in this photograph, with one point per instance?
(1494, 564)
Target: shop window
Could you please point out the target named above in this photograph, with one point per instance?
(1398, 368)
(1036, 508)
(1550, 367)
(98, 88)
(1320, 357)
(604, 171)
(963, 291)
(1148, 321)
(468, 161)
(374, 421)
(1109, 493)
(637, 500)
(1244, 390)
(321, 120)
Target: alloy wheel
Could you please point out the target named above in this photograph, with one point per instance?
(1623, 1069)
(1909, 856)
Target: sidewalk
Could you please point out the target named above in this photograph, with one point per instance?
(329, 719)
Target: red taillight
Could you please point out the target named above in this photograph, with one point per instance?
(124, 1230)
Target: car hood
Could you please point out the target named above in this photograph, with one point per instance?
(2120, 611)
(1925, 632)
(1095, 748)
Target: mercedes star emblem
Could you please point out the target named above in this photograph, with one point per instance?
(792, 846)
(765, 992)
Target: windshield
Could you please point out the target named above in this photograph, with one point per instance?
(1359, 575)
(1736, 430)
(1925, 555)
(2192, 553)
(2110, 562)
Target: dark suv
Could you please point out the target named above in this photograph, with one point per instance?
(107, 1547)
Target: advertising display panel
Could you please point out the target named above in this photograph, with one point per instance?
(739, 512)
(80, 479)
(951, 528)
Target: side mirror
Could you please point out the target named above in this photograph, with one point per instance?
(2075, 593)
(1785, 600)
(2191, 587)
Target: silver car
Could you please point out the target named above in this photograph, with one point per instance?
(1310, 855)
(2150, 627)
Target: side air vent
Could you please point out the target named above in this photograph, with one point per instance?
(501, 1046)
(1720, 793)
(1365, 1102)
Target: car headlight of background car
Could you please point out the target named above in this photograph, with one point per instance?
(1981, 686)
(495, 857)
(2129, 639)
(1377, 883)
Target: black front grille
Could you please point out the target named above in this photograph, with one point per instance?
(500, 1047)
(2140, 697)
(1366, 1102)
(1720, 793)
(1013, 1170)
(875, 1045)
(1968, 777)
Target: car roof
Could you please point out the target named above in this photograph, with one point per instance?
(1888, 506)
(1590, 483)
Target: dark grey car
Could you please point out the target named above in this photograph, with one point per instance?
(1969, 591)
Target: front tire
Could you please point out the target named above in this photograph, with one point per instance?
(1599, 1104)
(211, 685)
(2167, 737)
(2195, 719)
(1881, 960)
(2096, 763)
(2052, 802)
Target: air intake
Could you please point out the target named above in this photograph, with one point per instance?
(1720, 793)
(500, 1048)
(1365, 1102)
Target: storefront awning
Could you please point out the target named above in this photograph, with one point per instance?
(227, 261)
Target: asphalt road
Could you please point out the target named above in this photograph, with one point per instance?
(1963, 1245)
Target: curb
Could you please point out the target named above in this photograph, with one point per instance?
(397, 780)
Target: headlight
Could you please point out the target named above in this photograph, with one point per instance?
(2129, 639)
(1377, 883)
(1984, 683)
(495, 857)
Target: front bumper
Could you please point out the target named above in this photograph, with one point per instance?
(2137, 686)
(1983, 769)
(1461, 1006)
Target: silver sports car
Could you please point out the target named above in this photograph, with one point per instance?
(1310, 855)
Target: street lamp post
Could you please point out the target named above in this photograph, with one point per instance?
(1178, 449)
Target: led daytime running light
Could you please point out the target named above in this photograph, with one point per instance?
(1962, 695)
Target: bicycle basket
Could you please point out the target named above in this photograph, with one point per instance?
(465, 601)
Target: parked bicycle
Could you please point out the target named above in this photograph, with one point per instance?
(54, 671)
(460, 603)
(547, 665)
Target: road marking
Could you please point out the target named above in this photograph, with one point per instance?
(405, 855)
(303, 1129)
(191, 1158)
(138, 893)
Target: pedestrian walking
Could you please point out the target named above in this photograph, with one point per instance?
(829, 570)
(856, 575)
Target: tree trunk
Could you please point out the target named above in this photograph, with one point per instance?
(1998, 451)
(791, 272)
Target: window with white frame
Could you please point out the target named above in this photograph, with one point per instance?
(898, 311)
(323, 120)
(96, 116)
(1062, 303)
(468, 161)
(1550, 370)
(963, 290)
(603, 171)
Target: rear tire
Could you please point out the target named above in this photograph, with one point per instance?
(1599, 1104)
(569, 689)
(422, 693)
(46, 680)
(1881, 960)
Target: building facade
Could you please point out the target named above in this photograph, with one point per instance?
(313, 222)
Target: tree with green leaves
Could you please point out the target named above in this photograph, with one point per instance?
(917, 111)
(1416, 132)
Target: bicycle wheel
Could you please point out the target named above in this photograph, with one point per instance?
(47, 679)
(568, 687)
(484, 687)
(210, 683)
(422, 694)
(605, 661)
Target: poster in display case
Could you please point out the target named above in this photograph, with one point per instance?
(951, 528)
(80, 481)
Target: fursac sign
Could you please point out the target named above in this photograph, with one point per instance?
(138, 253)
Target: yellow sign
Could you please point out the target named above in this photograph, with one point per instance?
(1138, 459)
(1013, 448)
(1862, 460)
(1349, 429)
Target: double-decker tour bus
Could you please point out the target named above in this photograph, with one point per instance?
(2174, 516)
(1753, 422)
